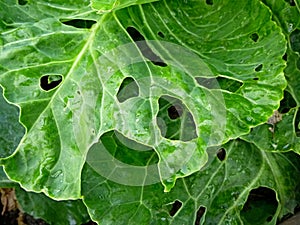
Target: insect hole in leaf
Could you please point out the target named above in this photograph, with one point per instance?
(79, 23)
(50, 82)
(254, 37)
(22, 2)
(175, 120)
(147, 52)
(175, 208)
(260, 206)
(128, 89)
(221, 154)
(199, 215)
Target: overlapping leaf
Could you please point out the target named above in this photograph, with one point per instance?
(282, 134)
(11, 131)
(279, 136)
(40, 44)
(226, 189)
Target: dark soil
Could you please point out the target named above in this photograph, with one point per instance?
(9, 218)
(15, 217)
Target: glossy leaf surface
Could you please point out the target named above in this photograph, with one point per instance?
(222, 187)
(121, 98)
(91, 59)
(283, 135)
(11, 131)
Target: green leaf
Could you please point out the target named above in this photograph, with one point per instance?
(287, 15)
(227, 188)
(64, 70)
(11, 131)
(278, 135)
(4, 181)
(284, 134)
(109, 5)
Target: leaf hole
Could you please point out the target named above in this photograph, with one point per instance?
(147, 52)
(174, 111)
(79, 23)
(219, 82)
(175, 120)
(175, 208)
(127, 150)
(209, 2)
(49, 82)
(295, 40)
(135, 34)
(284, 57)
(221, 154)
(22, 2)
(255, 78)
(128, 89)
(199, 215)
(269, 219)
(254, 37)
(122, 160)
(261, 199)
(160, 34)
(287, 103)
(291, 2)
(258, 68)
